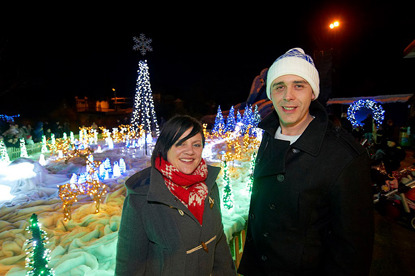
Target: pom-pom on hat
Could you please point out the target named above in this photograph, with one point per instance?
(294, 62)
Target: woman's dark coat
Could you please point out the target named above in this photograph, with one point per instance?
(311, 208)
(159, 236)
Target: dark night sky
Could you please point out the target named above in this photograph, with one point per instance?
(203, 51)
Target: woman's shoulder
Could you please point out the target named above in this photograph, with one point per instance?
(213, 169)
(139, 182)
(212, 173)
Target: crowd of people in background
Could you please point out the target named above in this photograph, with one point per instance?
(383, 142)
(12, 132)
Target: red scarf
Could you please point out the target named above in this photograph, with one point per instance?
(190, 189)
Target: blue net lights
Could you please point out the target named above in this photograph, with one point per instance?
(375, 108)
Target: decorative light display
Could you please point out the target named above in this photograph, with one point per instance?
(116, 172)
(251, 172)
(42, 160)
(44, 143)
(230, 121)
(8, 118)
(52, 139)
(38, 258)
(4, 156)
(219, 127)
(376, 109)
(95, 189)
(205, 132)
(143, 113)
(227, 191)
(23, 150)
(246, 140)
(238, 117)
(89, 183)
(123, 167)
(256, 117)
(68, 193)
(247, 119)
(142, 44)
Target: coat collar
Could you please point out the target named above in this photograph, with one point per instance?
(312, 138)
(159, 192)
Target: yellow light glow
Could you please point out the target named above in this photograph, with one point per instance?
(335, 24)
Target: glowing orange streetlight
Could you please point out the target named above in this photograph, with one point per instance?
(335, 24)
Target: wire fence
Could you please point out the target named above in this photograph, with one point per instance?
(15, 152)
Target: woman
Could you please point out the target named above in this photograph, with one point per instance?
(171, 221)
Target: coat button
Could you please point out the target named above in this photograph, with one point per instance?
(264, 258)
(296, 150)
(272, 206)
(280, 178)
(266, 235)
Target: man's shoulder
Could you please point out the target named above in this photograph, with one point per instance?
(344, 140)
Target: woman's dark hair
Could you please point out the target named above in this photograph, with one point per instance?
(172, 130)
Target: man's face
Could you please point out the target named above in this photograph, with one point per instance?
(291, 96)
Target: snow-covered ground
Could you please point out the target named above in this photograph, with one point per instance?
(86, 244)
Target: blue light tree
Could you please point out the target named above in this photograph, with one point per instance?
(219, 123)
(230, 121)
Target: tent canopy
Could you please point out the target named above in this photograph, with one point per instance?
(399, 98)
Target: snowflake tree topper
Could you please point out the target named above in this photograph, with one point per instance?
(142, 44)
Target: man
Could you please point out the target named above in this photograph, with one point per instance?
(311, 207)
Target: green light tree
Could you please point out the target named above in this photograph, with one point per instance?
(38, 258)
(227, 191)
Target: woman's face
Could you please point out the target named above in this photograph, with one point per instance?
(186, 156)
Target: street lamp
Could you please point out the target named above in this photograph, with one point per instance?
(115, 99)
(335, 24)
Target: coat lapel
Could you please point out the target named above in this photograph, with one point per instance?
(272, 160)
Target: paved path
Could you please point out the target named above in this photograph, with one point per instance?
(394, 248)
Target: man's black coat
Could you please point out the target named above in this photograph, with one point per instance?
(311, 209)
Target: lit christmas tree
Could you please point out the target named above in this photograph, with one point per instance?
(219, 123)
(238, 117)
(123, 167)
(143, 114)
(230, 121)
(251, 172)
(38, 257)
(23, 150)
(257, 117)
(44, 148)
(4, 156)
(227, 192)
(247, 118)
